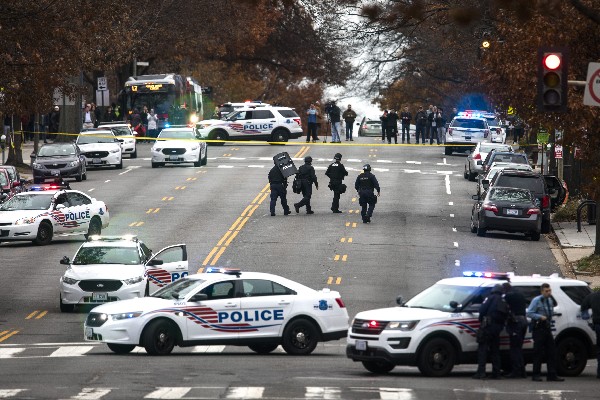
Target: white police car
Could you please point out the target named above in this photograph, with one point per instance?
(101, 148)
(467, 128)
(222, 306)
(178, 145)
(46, 211)
(436, 329)
(111, 268)
(275, 124)
(124, 134)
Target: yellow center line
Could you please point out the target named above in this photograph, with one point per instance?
(220, 242)
(349, 240)
(28, 317)
(330, 280)
(231, 238)
(343, 240)
(41, 314)
(256, 198)
(266, 188)
(156, 210)
(263, 198)
(338, 280)
(201, 270)
(252, 211)
(336, 258)
(345, 257)
(354, 199)
(237, 221)
(246, 210)
(219, 254)
(353, 224)
(3, 338)
(242, 224)
(209, 256)
(3, 333)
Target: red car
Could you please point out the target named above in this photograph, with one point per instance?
(7, 189)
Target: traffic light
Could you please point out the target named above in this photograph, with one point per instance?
(552, 79)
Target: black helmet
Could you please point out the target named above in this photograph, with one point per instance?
(337, 156)
(308, 159)
(367, 167)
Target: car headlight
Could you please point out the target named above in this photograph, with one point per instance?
(74, 163)
(402, 325)
(69, 281)
(25, 221)
(115, 150)
(195, 147)
(38, 166)
(127, 315)
(156, 149)
(131, 281)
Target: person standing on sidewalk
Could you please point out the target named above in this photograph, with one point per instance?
(336, 172)
(421, 125)
(406, 117)
(349, 116)
(392, 127)
(88, 118)
(516, 327)
(334, 113)
(592, 301)
(312, 114)
(429, 121)
(440, 122)
(307, 176)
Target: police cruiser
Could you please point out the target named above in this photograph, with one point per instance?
(253, 122)
(46, 211)
(178, 145)
(111, 268)
(436, 329)
(100, 148)
(467, 128)
(226, 307)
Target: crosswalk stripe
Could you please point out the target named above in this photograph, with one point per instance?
(72, 351)
(396, 394)
(8, 352)
(7, 393)
(168, 393)
(208, 349)
(318, 392)
(245, 392)
(91, 394)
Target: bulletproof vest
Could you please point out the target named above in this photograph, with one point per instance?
(365, 182)
(336, 171)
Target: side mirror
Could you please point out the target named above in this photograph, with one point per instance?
(399, 300)
(65, 260)
(154, 262)
(476, 197)
(198, 297)
(471, 308)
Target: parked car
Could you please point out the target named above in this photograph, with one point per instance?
(503, 156)
(494, 169)
(370, 127)
(58, 160)
(6, 188)
(13, 174)
(474, 161)
(507, 209)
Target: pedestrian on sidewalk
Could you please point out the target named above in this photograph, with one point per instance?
(384, 123)
(88, 118)
(516, 327)
(349, 118)
(428, 128)
(307, 176)
(366, 184)
(334, 113)
(312, 115)
(336, 172)
(392, 127)
(420, 125)
(53, 123)
(592, 301)
(278, 185)
(440, 122)
(405, 118)
(433, 126)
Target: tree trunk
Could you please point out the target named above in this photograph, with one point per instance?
(597, 249)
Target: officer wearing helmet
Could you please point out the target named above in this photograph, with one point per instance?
(336, 172)
(365, 185)
(278, 184)
(307, 176)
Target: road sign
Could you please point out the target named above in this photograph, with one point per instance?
(558, 151)
(511, 111)
(542, 135)
(591, 97)
(102, 84)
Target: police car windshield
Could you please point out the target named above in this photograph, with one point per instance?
(488, 148)
(178, 289)
(439, 296)
(107, 255)
(182, 134)
(57, 151)
(121, 131)
(37, 201)
(100, 138)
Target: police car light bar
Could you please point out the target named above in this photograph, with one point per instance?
(219, 270)
(48, 186)
(492, 275)
(130, 238)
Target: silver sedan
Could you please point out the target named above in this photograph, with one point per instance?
(474, 161)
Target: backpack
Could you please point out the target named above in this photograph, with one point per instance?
(297, 185)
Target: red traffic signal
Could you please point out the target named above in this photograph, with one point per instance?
(553, 61)
(552, 80)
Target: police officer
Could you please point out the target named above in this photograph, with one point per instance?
(592, 301)
(307, 176)
(365, 185)
(541, 311)
(492, 317)
(516, 327)
(278, 189)
(336, 172)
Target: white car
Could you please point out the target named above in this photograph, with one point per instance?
(40, 215)
(108, 269)
(124, 133)
(437, 328)
(226, 307)
(101, 148)
(179, 145)
(497, 132)
(466, 129)
(275, 124)
(474, 161)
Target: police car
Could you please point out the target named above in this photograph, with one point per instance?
(100, 148)
(46, 211)
(227, 108)
(467, 128)
(222, 306)
(124, 134)
(436, 329)
(111, 268)
(275, 124)
(497, 132)
(178, 145)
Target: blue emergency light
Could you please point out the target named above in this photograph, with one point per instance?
(490, 275)
(220, 270)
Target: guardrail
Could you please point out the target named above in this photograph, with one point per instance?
(591, 204)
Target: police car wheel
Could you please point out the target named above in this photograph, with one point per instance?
(263, 348)
(437, 358)
(218, 135)
(300, 337)
(44, 235)
(481, 231)
(572, 357)
(280, 136)
(120, 348)
(159, 338)
(134, 154)
(378, 367)
(66, 307)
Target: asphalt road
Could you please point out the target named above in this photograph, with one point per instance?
(419, 234)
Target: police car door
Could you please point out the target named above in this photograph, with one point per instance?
(166, 266)
(217, 317)
(263, 122)
(79, 215)
(266, 306)
(60, 212)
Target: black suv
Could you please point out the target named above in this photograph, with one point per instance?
(527, 180)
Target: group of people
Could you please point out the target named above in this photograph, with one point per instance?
(47, 124)
(507, 308)
(366, 184)
(430, 125)
(334, 116)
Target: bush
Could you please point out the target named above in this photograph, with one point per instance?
(568, 212)
(589, 264)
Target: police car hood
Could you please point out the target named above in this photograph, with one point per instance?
(144, 304)
(173, 143)
(400, 314)
(13, 216)
(105, 271)
(99, 146)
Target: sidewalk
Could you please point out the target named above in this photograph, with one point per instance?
(576, 245)
(27, 149)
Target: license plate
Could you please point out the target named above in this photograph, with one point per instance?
(96, 161)
(361, 345)
(89, 333)
(512, 212)
(99, 296)
(173, 158)
(55, 172)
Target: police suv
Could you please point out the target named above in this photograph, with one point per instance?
(436, 329)
(253, 122)
(111, 268)
(467, 128)
(46, 211)
(226, 307)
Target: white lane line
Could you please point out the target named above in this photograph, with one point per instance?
(385, 161)
(450, 203)
(412, 171)
(10, 352)
(236, 158)
(445, 172)
(447, 179)
(91, 394)
(381, 169)
(48, 344)
(126, 171)
(72, 351)
(353, 160)
(92, 189)
(445, 163)
(7, 393)
(396, 393)
(245, 392)
(414, 162)
(147, 159)
(451, 215)
(168, 393)
(457, 263)
(265, 158)
(323, 168)
(256, 166)
(455, 244)
(225, 166)
(208, 349)
(454, 230)
(321, 392)
(106, 181)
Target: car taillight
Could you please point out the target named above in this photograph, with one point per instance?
(340, 302)
(486, 133)
(365, 127)
(490, 207)
(477, 156)
(546, 201)
(298, 121)
(532, 211)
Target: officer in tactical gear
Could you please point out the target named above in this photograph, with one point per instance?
(278, 189)
(336, 172)
(307, 176)
(365, 185)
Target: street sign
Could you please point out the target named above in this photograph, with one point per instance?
(102, 84)
(558, 151)
(511, 111)
(542, 136)
(591, 97)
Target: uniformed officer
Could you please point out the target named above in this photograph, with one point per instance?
(336, 172)
(278, 189)
(541, 311)
(516, 327)
(492, 317)
(365, 185)
(307, 176)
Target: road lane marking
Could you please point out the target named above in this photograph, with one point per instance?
(91, 394)
(263, 198)
(208, 349)
(414, 162)
(336, 258)
(245, 392)
(137, 223)
(345, 257)
(41, 315)
(457, 263)
(412, 171)
(252, 211)
(454, 230)
(447, 179)
(318, 392)
(191, 179)
(180, 187)
(228, 242)
(346, 240)
(72, 351)
(237, 221)
(241, 225)
(92, 189)
(451, 215)
(7, 334)
(167, 198)
(209, 256)
(106, 181)
(168, 393)
(224, 237)
(455, 244)
(9, 352)
(152, 210)
(219, 254)
(246, 210)
(227, 155)
(6, 393)
(31, 315)
(354, 199)
(450, 203)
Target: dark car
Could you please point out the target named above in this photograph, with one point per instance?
(504, 156)
(59, 160)
(7, 189)
(15, 177)
(507, 209)
(531, 181)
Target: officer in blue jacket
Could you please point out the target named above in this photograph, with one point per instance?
(365, 185)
